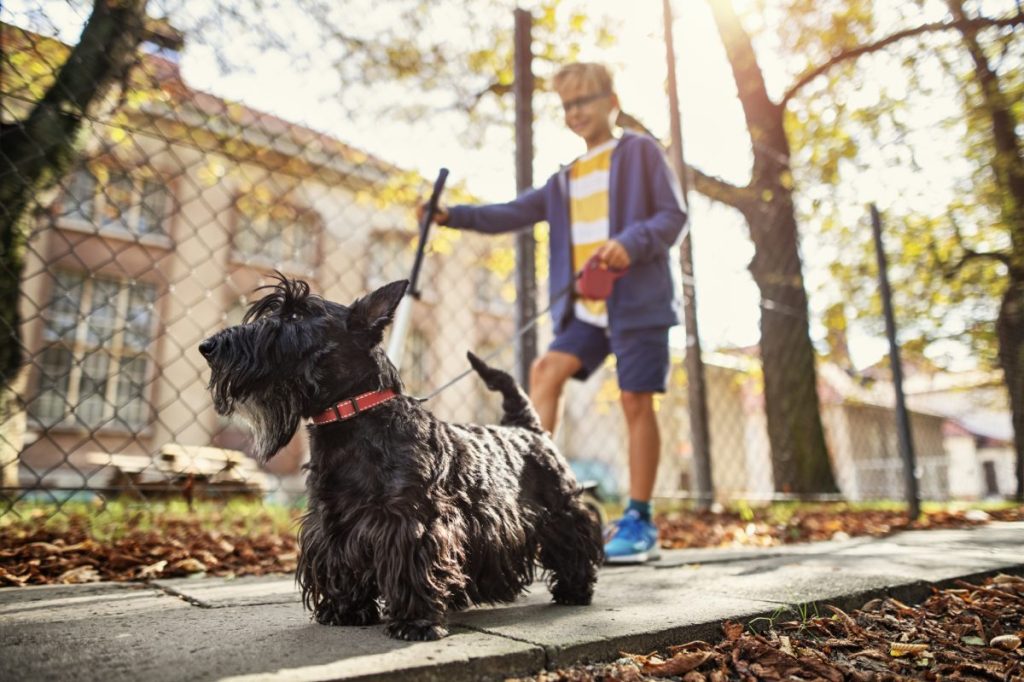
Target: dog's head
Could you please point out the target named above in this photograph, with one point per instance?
(295, 354)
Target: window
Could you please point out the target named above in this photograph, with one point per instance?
(276, 233)
(93, 369)
(135, 202)
(391, 257)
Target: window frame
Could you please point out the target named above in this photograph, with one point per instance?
(127, 225)
(117, 350)
(265, 217)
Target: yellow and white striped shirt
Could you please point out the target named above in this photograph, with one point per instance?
(588, 214)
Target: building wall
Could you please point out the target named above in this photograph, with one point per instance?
(202, 284)
(865, 448)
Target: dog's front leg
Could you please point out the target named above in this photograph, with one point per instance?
(350, 601)
(418, 575)
(334, 592)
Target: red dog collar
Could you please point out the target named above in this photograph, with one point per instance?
(350, 407)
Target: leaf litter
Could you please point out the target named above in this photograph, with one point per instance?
(965, 633)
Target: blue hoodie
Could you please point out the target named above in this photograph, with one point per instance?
(645, 215)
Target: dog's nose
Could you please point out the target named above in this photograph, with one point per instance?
(207, 347)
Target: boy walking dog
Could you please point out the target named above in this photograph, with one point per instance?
(619, 204)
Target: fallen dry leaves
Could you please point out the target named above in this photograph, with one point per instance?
(811, 524)
(32, 555)
(969, 632)
(178, 548)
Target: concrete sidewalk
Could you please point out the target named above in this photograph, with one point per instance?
(255, 629)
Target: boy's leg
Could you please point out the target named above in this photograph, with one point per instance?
(578, 350)
(642, 361)
(548, 375)
(644, 443)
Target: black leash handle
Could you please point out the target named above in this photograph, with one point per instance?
(428, 217)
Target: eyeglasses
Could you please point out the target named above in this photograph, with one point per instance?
(583, 101)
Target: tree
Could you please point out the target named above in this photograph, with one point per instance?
(767, 202)
(38, 150)
(1007, 164)
(952, 251)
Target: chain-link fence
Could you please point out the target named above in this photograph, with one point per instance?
(178, 203)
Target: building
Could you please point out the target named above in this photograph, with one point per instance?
(182, 206)
(859, 423)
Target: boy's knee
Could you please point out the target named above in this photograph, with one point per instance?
(545, 374)
(636, 404)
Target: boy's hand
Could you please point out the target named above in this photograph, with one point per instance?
(613, 255)
(440, 215)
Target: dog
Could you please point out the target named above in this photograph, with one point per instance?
(410, 518)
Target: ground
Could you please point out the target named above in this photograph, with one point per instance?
(969, 632)
(125, 541)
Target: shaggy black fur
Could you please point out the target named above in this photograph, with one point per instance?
(407, 513)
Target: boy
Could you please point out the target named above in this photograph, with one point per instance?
(619, 202)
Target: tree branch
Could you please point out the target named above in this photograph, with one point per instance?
(1006, 161)
(950, 270)
(712, 187)
(971, 254)
(881, 44)
(717, 189)
(630, 122)
(746, 72)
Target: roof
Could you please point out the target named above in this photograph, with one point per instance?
(178, 102)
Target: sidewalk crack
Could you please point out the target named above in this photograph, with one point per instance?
(543, 647)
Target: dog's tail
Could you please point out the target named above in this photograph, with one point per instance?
(515, 403)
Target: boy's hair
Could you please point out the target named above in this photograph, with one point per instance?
(587, 72)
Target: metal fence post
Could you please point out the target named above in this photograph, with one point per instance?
(526, 268)
(902, 421)
(696, 388)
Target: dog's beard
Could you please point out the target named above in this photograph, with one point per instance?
(272, 426)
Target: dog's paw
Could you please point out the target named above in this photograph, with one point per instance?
(415, 630)
(572, 598)
(331, 615)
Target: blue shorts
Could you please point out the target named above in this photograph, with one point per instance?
(641, 355)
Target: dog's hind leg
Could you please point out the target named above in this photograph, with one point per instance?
(571, 551)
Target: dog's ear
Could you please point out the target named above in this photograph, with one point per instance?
(373, 313)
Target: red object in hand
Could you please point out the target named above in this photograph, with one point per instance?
(596, 279)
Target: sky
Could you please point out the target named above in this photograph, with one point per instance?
(713, 130)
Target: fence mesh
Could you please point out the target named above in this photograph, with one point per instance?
(181, 201)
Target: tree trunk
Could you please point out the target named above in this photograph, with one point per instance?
(800, 461)
(1008, 169)
(1010, 328)
(39, 150)
(12, 436)
(800, 458)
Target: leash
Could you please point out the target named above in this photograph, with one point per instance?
(515, 337)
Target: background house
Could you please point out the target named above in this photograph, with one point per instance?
(161, 237)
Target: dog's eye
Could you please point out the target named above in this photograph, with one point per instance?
(295, 316)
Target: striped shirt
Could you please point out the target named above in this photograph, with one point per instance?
(588, 201)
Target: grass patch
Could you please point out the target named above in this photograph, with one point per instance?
(112, 520)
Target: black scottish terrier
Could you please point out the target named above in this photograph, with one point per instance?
(409, 517)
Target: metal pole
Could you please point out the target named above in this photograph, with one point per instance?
(902, 421)
(700, 435)
(526, 268)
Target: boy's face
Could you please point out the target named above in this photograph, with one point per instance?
(588, 110)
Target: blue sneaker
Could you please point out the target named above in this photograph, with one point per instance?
(631, 540)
